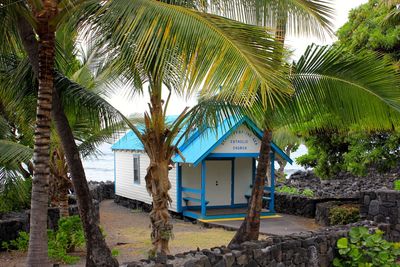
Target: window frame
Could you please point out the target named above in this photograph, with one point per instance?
(136, 181)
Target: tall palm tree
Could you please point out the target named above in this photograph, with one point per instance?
(20, 35)
(333, 89)
(172, 47)
(298, 17)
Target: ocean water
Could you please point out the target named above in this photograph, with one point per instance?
(102, 168)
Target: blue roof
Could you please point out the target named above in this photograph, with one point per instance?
(131, 142)
(200, 144)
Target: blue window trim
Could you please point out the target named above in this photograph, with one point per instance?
(115, 175)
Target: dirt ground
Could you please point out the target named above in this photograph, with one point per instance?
(128, 231)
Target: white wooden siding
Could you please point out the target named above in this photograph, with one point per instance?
(124, 185)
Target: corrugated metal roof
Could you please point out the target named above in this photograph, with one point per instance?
(199, 145)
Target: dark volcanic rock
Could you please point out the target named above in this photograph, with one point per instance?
(344, 185)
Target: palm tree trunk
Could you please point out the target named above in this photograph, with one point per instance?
(37, 252)
(63, 184)
(250, 227)
(98, 253)
(161, 226)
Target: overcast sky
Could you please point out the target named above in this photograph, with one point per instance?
(298, 45)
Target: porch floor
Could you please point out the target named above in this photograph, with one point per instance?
(221, 213)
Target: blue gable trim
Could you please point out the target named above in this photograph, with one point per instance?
(197, 149)
(221, 139)
(208, 153)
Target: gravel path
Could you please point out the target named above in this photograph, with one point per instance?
(128, 232)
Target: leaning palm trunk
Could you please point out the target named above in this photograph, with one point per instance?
(37, 252)
(98, 254)
(250, 227)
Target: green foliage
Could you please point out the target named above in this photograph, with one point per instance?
(15, 195)
(353, 151)
(307, 192)
(69, 236)
(380, 150)
(344, 214)
(288, 190)
(363, 249)
(325, 153)
(397, 185)
(115, 252)
(21, 243)
(366, 29)
(294, 191)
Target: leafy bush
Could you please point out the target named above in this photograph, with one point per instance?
(21, 243)
(365, 249)
(69, 236)
(294, 191)
(288, 190)
(115, 252)
(307, 192)
(344, 214)
(397, 185)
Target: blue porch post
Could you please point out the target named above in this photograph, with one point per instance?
(272, 196)
(253, 170)
(203, 188)
(233, 182)
(179, 188)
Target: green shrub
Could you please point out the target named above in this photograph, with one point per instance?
(294, 191)
(397, 185)
(363, 249)
(115, 252)
(69, 236)
(307, 192)
(21, 243)
(344, 214)
(288, 190)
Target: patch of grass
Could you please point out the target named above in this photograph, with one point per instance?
(291, 190)
(397, 185)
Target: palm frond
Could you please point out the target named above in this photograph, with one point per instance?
(355, 89)
(194, 50)
(303, 17)
(13, 154)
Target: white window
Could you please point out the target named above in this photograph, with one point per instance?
(136, 169)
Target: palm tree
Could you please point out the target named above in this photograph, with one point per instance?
(298, 17)
(352, 89)
(21, 36)
(183, 50)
